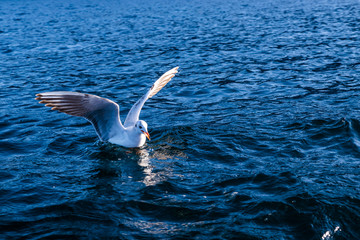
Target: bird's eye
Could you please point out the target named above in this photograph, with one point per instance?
(140, 127)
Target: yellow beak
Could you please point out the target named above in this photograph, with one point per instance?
(147, 135)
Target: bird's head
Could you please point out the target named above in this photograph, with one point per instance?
(142, 127)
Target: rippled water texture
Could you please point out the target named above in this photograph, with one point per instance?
(257, 137)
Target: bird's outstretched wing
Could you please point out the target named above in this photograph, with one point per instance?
(134, 113)
(101, 112)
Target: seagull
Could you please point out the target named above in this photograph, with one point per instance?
(104, 114)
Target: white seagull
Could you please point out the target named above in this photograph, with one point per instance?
(103, 113)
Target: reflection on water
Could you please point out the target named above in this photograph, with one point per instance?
(157, 165)
(147, 165)
(330, 234)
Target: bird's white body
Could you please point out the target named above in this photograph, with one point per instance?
(104, 114)
(129, 138)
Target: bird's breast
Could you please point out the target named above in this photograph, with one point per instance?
(129, 140)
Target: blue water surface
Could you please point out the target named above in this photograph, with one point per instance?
(257, 137)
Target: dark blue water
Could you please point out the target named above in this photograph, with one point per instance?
(257, 137)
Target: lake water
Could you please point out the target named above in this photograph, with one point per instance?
(257, 137)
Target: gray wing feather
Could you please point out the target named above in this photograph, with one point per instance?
(101, 112)
(134, 113)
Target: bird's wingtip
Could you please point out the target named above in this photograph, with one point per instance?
(38, 96)
(174, 70)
